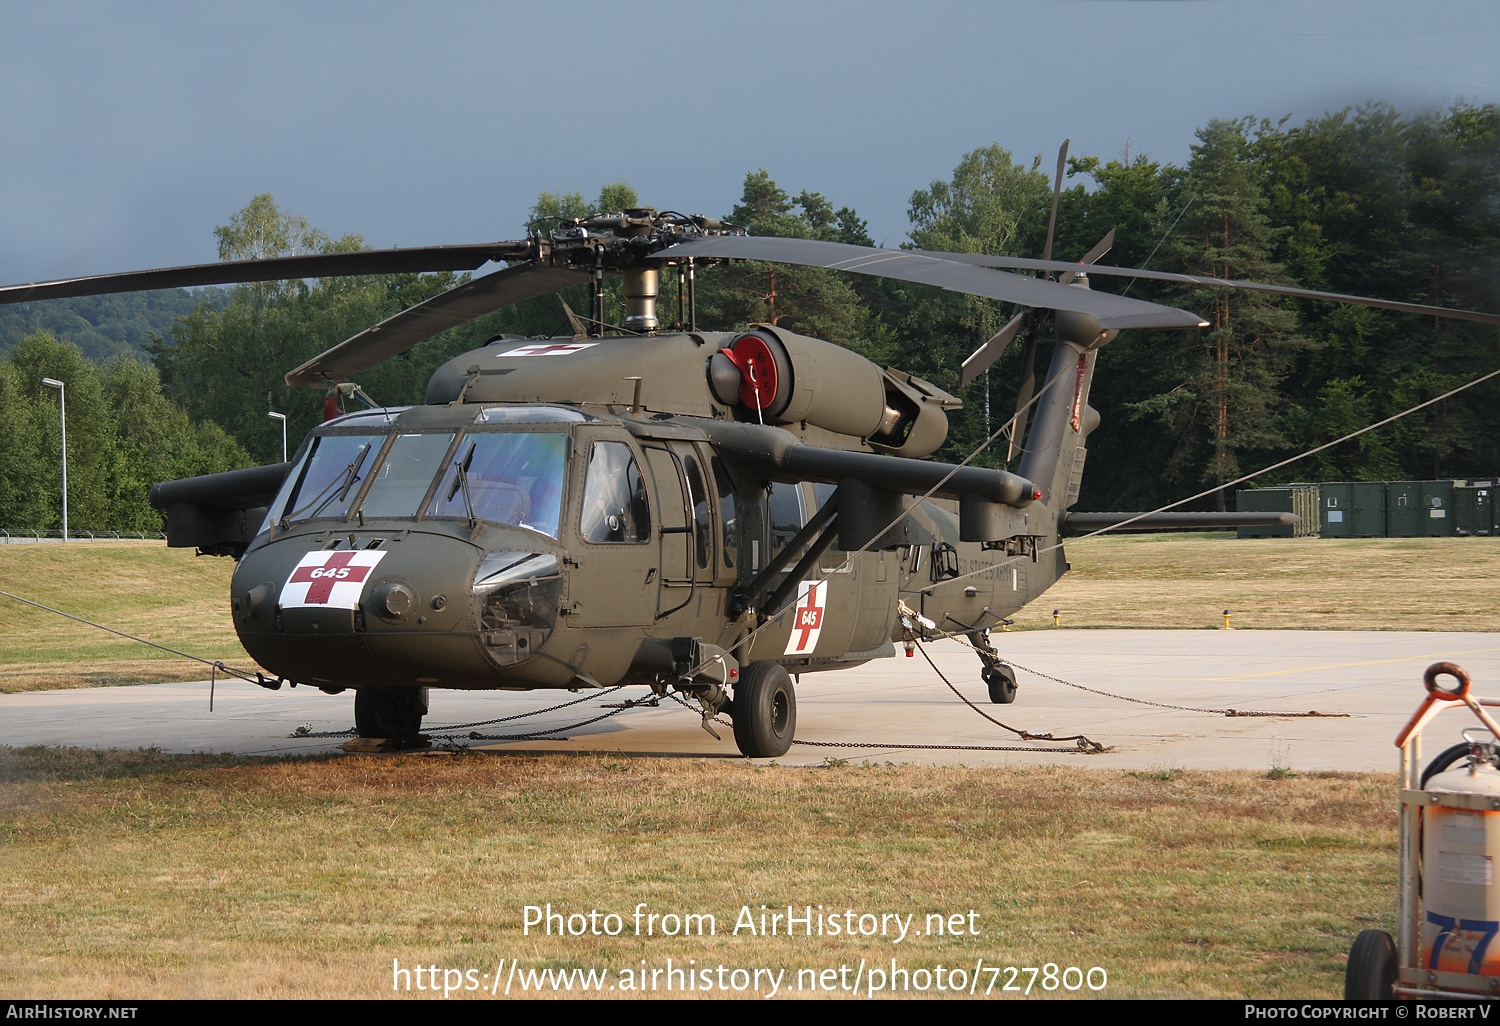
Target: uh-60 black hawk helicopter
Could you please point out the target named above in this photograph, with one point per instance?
(703, 511)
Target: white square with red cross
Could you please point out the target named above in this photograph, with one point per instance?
(550, 349)
(807, 617)
(330, 580)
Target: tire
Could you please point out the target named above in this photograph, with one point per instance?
(1002, 682)
(1371, 973)
(1446, 758)
(764, 711)
(392, 713)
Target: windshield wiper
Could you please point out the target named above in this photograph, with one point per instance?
(461, 481)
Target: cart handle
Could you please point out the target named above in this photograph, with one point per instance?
(1439, 699)
(1436, 670)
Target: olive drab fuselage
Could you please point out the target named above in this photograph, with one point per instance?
(710, 512)
(496, 538)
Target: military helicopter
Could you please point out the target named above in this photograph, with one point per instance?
(710, 512)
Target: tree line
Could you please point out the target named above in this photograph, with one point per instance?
(124, 436)
(1366, 201)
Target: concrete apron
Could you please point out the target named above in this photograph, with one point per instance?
(1373, 675)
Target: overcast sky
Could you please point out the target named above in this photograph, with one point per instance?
(130, 130)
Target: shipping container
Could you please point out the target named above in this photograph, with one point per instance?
(1436, 519)
(1301, 499)
(1403, 508)
(1352, 509)
(1474, 510)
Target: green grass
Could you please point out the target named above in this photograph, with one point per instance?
(168, 596)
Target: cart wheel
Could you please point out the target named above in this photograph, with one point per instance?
(1446, 758)
(1371, 973)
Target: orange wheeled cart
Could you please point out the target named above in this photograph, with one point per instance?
(1449, 906)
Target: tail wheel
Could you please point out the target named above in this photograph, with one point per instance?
(1002, 682)
(764, 711)
(394, 713)
(1371, 973)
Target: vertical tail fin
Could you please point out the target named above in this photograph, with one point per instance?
(1056, 446)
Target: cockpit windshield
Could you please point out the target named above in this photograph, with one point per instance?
(502, 476)
(330, 476)
(508, 477)
(405, 474)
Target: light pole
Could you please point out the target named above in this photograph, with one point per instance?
(281, 417)
(62, 406)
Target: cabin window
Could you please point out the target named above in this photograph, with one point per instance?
(786, 514)
(728, 518)
(703, 532)
(512, 477)
(833, 557)
(614, 497)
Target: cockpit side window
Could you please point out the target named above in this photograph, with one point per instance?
(614, 497)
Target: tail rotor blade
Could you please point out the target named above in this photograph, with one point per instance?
(1034, 323)
(986, 355)
(1028, 354)
(1023, 397)
(1062, 162)
(1092, 256)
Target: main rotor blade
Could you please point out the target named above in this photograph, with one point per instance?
(942, 271)
(314, 265)
(395, 335)
(1025, 263)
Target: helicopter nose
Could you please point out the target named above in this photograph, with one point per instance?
(402, 608)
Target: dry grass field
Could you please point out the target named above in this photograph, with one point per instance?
(137, 875)
(143, 588)
(1187, 581)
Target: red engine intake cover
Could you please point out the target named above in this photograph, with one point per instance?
(757, 369)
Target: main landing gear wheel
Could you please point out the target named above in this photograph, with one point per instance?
(393, 713)
(1371, 973)
(764, 710)
(1002, 682)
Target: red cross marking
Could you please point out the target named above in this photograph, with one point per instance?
(545, 350)
(809, 617)
(324, 577)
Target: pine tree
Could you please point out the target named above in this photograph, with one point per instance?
(1228, 403)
